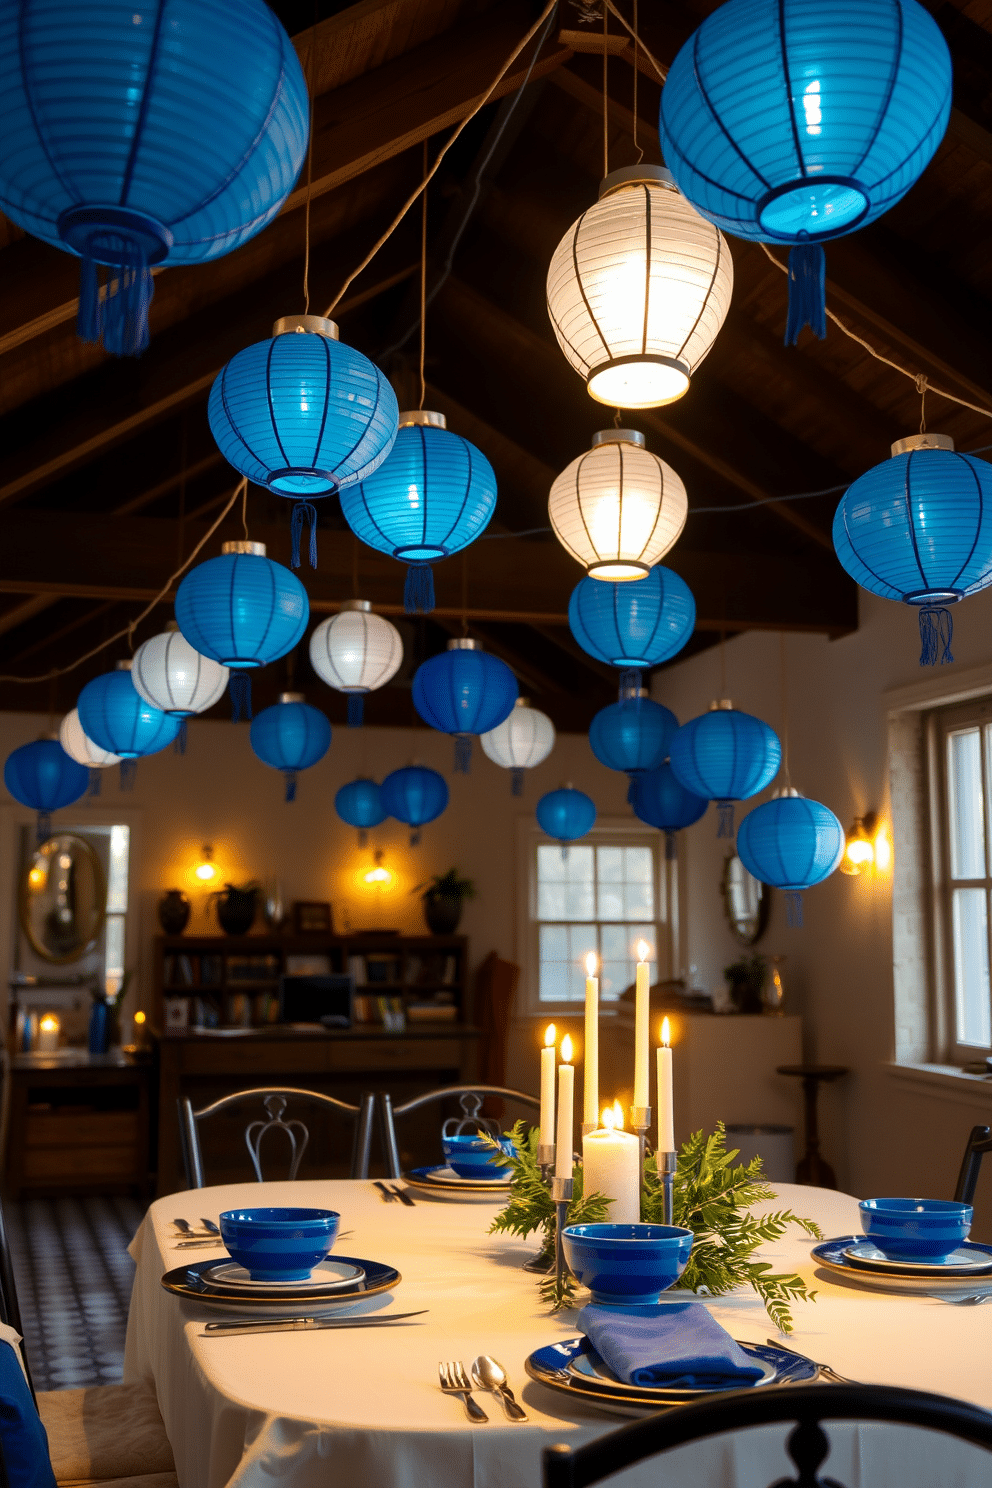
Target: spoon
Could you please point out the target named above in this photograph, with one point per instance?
(489, 1374)
(208, 1224)
(182, 1225)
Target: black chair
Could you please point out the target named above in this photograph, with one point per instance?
(274, 1100)
(10, 1312)
(979, 1143)
(807, 1444)
(470, 1099)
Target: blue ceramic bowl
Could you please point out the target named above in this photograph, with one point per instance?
(915, 1229)
(626, 1262)
(470, 1158)
(279, 1244)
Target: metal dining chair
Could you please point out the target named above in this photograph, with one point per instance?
(271, 1102)
(469, 1097)
(979, 1143)
(808, 1406)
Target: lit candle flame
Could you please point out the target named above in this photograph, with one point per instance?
(617, 1116)
(606, 1120)
(643, 950)
(592, 964)
(666, 1033)
(550, 1034)
(139, 1018)
(49, 1023)
(566, 1049)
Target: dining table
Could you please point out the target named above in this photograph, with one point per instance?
(318, 1409)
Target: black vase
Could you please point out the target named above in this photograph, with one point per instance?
(236, 910)
(442, 913)
(173, 911)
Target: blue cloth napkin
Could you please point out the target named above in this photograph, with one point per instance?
(677, 1344)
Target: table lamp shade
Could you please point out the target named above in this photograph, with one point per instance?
(633, 625)
(524, 739)
(359, 803)
(565, 814)
(792, 844)
(356, 652)
(141, 134)
(42, 776)
(464, 691)
(242, 609)
(168, 673)
(80, 747)
(415, 796)
(660, 799)
(918, 528)
(117, 718)
(290, 736)
(726, 756)
(632, 735)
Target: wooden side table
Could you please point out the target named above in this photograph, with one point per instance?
(813, 1169)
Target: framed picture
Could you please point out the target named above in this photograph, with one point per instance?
(312, 918)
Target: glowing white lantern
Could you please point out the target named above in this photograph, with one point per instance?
(638, 288)
(80, 746)
(618, 509)
(168, 673)
(520, 742)
(356, 652)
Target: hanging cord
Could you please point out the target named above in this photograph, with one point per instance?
(723, 663)
(784, 689)
(244, 508)
(921, 388)
(606, 95)
(661, 71)
(532, 32)
(182, 490)
(306, 212)
(464, 591)
(423, 285)
(354, 566)
(637, 43)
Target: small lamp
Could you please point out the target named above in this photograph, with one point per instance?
(859, 850)
(205, 872)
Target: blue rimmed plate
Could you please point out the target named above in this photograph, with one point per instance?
(443, 1182)
(903, 1276)
(195, 1282)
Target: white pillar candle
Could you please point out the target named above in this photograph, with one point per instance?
(548, 1058)
(666, 1110)
(590, 1109)
(611, 1166)
(48, 1034)
(642, 1037)
(566, 1092)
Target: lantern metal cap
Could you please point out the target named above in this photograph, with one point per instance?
(317, 325)
(292, 697)
(172, 625)
(722, 703)
(364, 605)
(636, 175)
(462, 643)
(241, 545)
(124, 666)
(922, 442)
(619, 436)
(786, 790)
(522, 702)
(425, 417)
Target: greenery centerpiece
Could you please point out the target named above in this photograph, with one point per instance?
(713, 1198)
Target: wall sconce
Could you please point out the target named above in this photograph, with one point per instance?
(379, 877)
(206, 871)
(867, 846)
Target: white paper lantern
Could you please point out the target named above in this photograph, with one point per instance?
(168, 673)
(356, 652)
(80, 746)
(638, 288)
(520, 742)
(618, 509)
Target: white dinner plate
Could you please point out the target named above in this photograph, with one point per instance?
(831, 1255)
(329, 1274)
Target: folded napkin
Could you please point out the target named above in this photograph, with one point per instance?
(670, 1343)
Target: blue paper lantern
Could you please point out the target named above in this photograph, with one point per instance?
(41, 775)
(565, 814)
(117, 718)
(290, 736)
(137, 134)
(414, 795)
(726, 756)
(918, 529)
(795, 121)
(660, 799)
(432, 497)
(303, 415)
(464, 691)
(792, 844)
(632, 735)
(633, 625)
(359, 803)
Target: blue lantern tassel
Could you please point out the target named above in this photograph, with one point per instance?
(127, 770)
(463, 754)
(303, 511)
(794, 909)
(88, 314)
(363, 837)
(807, 292)
(356, 709)
(290, 785)
(936, 631)
(239, 688)
(418, 592)
(671, 847)
(630, 684)
(179, 742)
(96, 779)
(43, 826)
(121, 321)
(516, 781)
(725, 819)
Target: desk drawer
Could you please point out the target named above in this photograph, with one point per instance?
(101, 1129)
(79, 1166)
(384, 1054)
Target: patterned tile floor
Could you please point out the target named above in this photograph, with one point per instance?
(73, 1277)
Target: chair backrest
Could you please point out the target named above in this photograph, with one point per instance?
(10, 1312)
(469, 1097)
(808, 1406)
(979, 1143)
(495, 988)
(268, 1105)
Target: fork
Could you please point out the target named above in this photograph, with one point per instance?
(455, 1381)
(825, 1369)
(973, 1299)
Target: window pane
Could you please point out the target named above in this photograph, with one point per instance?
(564, 883)
(618, 948)
(563, 949)
(965, 803)
(625, 887)
(971, 966)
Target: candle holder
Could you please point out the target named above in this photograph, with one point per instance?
(545, 1158)
(667, 1165)
(561, 1192)
(640, 1120)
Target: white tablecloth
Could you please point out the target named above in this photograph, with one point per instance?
(362, 1406)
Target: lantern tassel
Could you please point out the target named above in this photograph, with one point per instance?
(415, 837)
(936, 631)
(725, 819)
(128, 300)
(128, 769)
(88, 314)
(356, 709)
(239, 688)
(43, 827)
(303, 511)
(179, 743)
(418, 592)
(517, 781)
(794, 909)
(290, 785)
(671, 846)
(96, 780)
(807, 292)
(564, 852)
(363, 837)
(463, 754)
(630, 684)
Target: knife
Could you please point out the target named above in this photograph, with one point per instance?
(240, 1326)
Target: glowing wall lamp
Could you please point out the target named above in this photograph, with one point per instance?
(206, 871)
(867, 846)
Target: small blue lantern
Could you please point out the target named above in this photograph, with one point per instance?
(290, 736)
(359, 803)
(633, 735)
(303, 415)
(726, 756)
(633, 625)
(139, 134)
(117, 718)
(414, 795)
(565, 814)
(918, 529)
(792, 844)
(660, 799)
(41, 775)
(432, 497)
(464, 691)
(243, 610)
(792, 122)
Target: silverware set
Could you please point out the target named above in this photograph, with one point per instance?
(389, 1194)
(487, 1375)
(238, 1327)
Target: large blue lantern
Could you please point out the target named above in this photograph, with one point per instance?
(660, 799)
(117, 718)
(303, 415)
(359, 803)
(432, 497)
(633, 625)
(633, 735)
(41, 775)
(918, 528)
(142, 132)
(795, 121)
(415, 796)
(792, 844)
(243, 610)
(565, 814)
(290, 736)
(464, 691)
(726, 756)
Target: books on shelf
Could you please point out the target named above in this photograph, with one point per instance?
(252, 969)
(431, 1012)
(356, 970)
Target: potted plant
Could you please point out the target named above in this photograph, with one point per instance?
(236, 907)
(442, 897)
(746, 978)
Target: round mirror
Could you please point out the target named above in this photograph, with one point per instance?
(746, 901)
(63, 898)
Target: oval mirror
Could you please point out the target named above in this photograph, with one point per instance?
(63, 898)
(746, 901)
